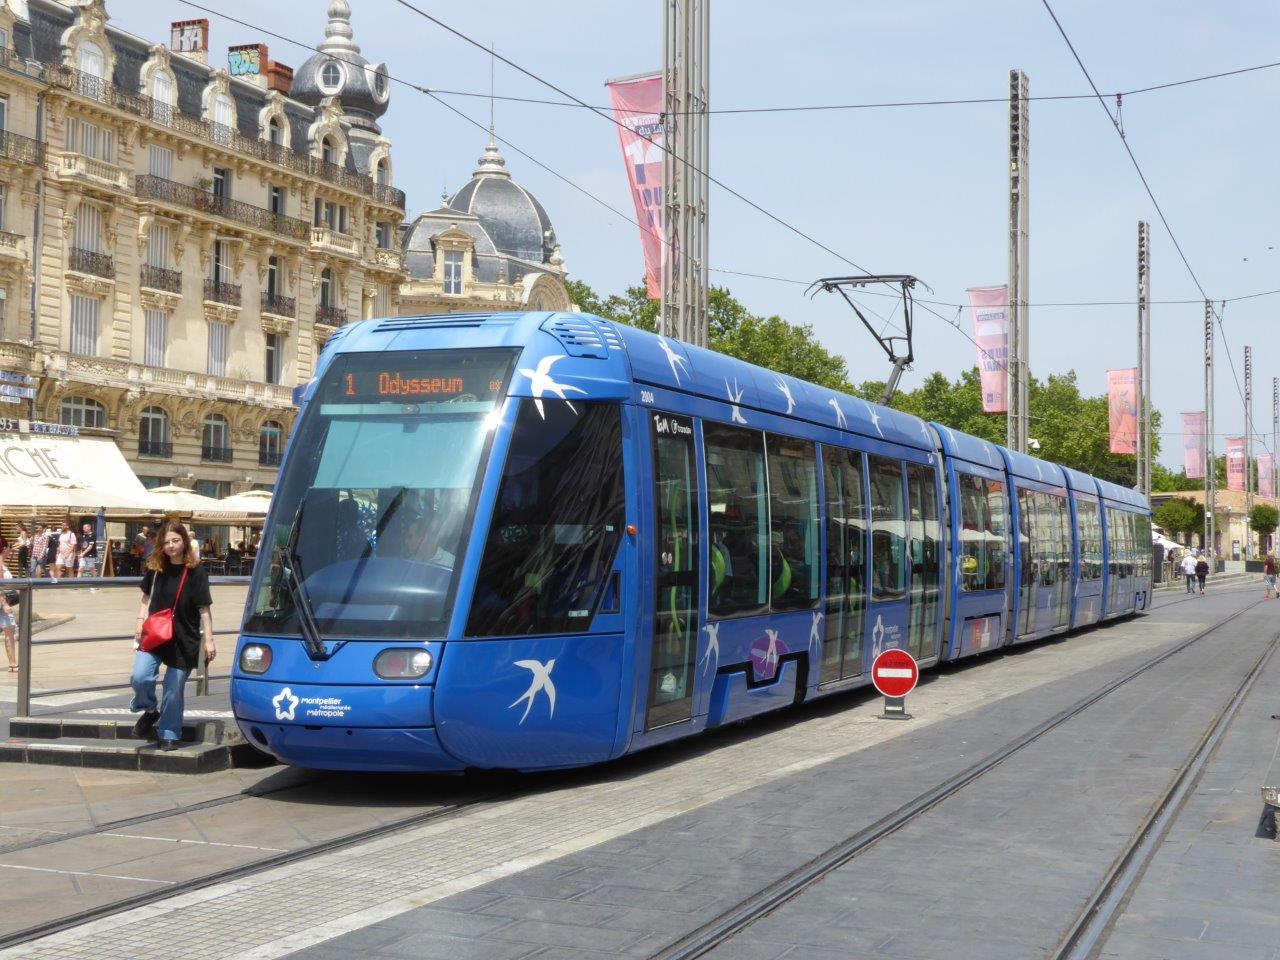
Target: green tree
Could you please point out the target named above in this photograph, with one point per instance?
(732, 329)
(1164, 480)
(1179, 515)
(1264, 519)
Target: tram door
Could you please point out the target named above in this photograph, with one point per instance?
(846, 565)
(923, 531)
(675, 620)
(1028, 571)
(1062, 587)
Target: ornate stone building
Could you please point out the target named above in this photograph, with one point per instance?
(490, 247)
(177, 240)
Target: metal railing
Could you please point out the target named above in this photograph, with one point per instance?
(102, 91)
(218, 292)
(155, 448)
(197, 198)
(216, 454)
(26, 590)
(161, 278)
(333, 316)
(269, 458)
(93, 263)
(14, 146)
(278, 305)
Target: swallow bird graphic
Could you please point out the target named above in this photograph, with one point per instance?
(877, 637)
(735, 398)
(875, 418)
(841, 422)
(786, 392)
(713, 646)
(540, 681)
(814, 638)
(540, 382)
(771, 654)
(676, 361)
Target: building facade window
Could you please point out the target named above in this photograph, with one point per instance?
(4, 196)
(153, 433)
(84, 325)
(275, 285)
(89, 140)
(88, 231)
(274, 365)
(453, 271)
(158, 246)
(162, 97)
(155, 338)
(382, 300)
(160, 162)
(222, 182)
(383, 235)
(331, 78)
(219, 344)
(328, 152)
(382, 174)
(223, 119)
(275, 131)
(328, 288)
(275, 199)
(82, 412)
(270, 444)
(214, 488)
(4, 113)
(221, 262)
(215, 442)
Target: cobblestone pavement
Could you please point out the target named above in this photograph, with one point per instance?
(621, 859)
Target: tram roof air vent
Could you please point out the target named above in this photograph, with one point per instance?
(452, 321)
(583, 336)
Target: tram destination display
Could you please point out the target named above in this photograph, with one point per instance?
(418, 377)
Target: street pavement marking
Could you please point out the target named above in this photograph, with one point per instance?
(85, 873)
(206, 843)
(326, 896)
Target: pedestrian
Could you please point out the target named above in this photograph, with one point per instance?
(24, 550)
(1189, 571)
(65, 563)
(8, 605)
(174, 580)
(1202, 572)
(88, 553)
(39, 551)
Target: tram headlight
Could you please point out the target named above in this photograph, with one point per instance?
(402, 664)
(255, 658)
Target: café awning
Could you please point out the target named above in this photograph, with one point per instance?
(78, 474)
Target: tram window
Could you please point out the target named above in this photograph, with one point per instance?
(1046, 539)
(1064, 538)
(556, 524)
(1090, 539)
(846, 564)
(793, 523)
(888, 531)
(925, 534)
(738, 521)
(982, 511)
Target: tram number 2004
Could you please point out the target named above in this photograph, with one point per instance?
(646, 396)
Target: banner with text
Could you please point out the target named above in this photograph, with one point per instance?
(1122, 409)
(1193, 445)
(1266, 474)
(1235, 463)
(990, 306)
(637, 106)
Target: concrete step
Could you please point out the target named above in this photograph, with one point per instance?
(128, 754)
(54, 728)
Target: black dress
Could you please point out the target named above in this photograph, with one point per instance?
(184, 650)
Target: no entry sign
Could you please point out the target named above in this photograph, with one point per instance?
(894, 674)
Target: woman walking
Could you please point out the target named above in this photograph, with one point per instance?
(1269, 575)
(174, 580)
(24, 551)
(7, 610)
(1202, 571)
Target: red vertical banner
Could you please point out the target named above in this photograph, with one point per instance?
(1193, 444)
(1266, 475)
(637, 106)
(1235, 463)
(990, 307)
(1122, 409)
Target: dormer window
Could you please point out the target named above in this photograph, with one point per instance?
(328, 152)
(382, 174)
(331, 77)
(275, 131)
(453, 271)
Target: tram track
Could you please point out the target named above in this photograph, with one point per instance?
(1109, 898)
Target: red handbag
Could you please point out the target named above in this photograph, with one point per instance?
(157, 629)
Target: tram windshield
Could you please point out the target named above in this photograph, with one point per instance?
(380, 485)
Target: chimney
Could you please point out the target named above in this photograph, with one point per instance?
(249, 62)
(279, 77)
(190, 38)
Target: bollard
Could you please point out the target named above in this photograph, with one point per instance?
(27, 598)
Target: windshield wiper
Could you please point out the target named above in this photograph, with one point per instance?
(291, 566)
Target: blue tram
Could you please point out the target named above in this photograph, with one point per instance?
(545, 540)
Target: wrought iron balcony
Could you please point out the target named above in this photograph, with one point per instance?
(14, 146)
(215, 454)
(279, 306)
(90, 262)
(269, 458)
(155, 448)
(333, 316)
(385, 193)
(185, 195)
(161, 278)
(217, 292)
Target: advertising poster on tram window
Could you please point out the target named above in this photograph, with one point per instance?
(1193, 446)
(637, 106)
(1122, 409)
(990, 307)
(1235, 463)
(1266, 474)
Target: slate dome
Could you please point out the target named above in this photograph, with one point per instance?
(512, 217)
(337, 69)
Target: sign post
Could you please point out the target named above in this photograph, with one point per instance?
(895, 674)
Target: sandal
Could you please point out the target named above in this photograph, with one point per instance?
(13, 669)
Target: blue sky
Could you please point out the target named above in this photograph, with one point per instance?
(915, 190)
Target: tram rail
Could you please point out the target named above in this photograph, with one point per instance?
(1108, 898)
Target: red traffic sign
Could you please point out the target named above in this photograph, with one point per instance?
(895, 673)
